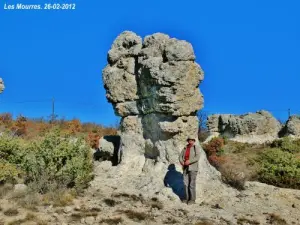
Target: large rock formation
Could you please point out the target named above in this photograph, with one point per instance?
(292, 127)
(1, 85)
(256, 127)
(154, 86)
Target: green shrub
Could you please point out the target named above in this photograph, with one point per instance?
(8, 146)
(57, 161)
(279, 168)
(287, 144)
(54, 161)
(8, 172)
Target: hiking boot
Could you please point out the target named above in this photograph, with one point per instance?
(191, 202)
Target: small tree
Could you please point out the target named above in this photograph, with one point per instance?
(93, 139)
(202, 129)
(214, 150)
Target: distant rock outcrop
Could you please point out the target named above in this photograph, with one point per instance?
(292, 127)
(2, 87)
(256, 127)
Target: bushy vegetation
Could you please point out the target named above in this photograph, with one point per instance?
(287, 144)
(279, 168)
(277, 163)
(216, 156)
(46, 163)
(214, 151)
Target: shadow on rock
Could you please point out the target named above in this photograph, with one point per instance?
(174, 180)
(109, 147)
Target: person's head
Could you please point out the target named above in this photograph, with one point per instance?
(171, 167)
(191, 140)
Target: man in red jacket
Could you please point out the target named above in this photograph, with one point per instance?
(189, 159)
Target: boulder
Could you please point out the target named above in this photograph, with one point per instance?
(2, 87)
(292, 127)
(20, 188)
(256, 127)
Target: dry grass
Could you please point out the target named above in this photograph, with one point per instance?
(205, 222)
(136, 216)
(5, 189)
(244, 220)
(112, 221)
(29, 217)
(84, 212)
(233, 178)
(276, 219)
(239, 164)
(11, 212)
(30, 201)
(170, 220)
(131, 197)
(59, 198)
(78, 216)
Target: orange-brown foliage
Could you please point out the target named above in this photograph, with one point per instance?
(31, 128)
(6, 120)
(213, 150)
(20, 126)
(93, 139)
(96, 132)
(74, 126)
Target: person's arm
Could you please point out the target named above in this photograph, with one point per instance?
(181, 157)
(197, 156)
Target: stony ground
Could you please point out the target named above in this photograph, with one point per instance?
(109, 203)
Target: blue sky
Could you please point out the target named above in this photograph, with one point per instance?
(249, 51)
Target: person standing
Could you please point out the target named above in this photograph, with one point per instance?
(189, 158)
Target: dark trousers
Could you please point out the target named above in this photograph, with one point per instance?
(189, 180)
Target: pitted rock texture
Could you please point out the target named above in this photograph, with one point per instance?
(2, 87)
(256, 127)
(292, 127)
(154, 86)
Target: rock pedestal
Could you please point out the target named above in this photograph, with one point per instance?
(154, 86)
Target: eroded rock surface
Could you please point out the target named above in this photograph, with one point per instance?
(292, 127)
(2, 87)
(153, 84)
(256, 127)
